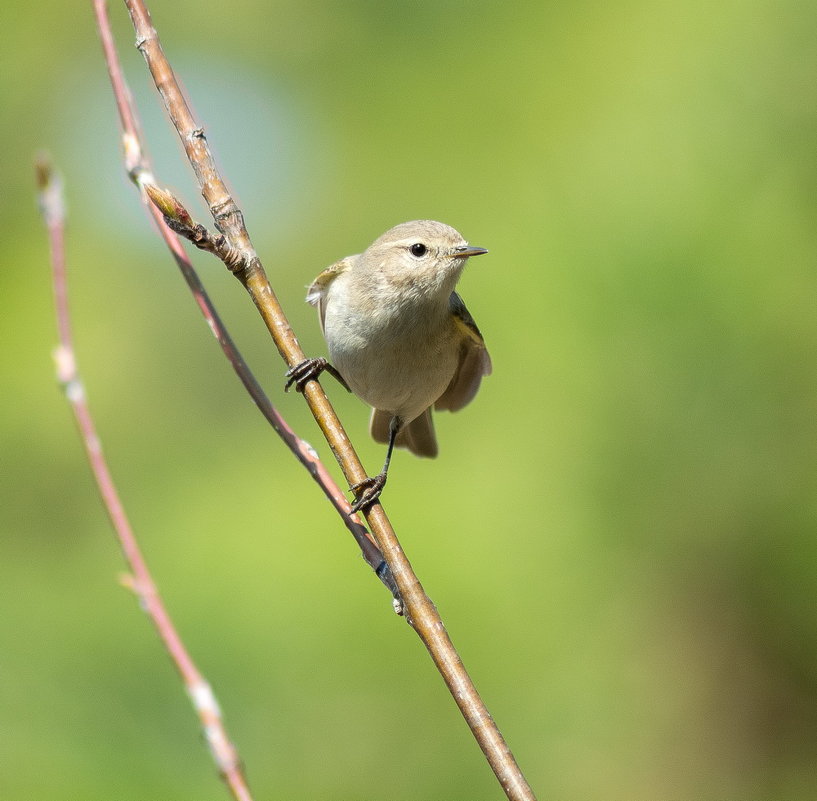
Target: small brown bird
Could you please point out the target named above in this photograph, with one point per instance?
(400, 336)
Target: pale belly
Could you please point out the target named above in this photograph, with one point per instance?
(397, 369)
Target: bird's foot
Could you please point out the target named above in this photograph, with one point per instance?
(309, 370)
(367, 491)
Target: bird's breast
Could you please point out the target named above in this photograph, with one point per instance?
(398, 357)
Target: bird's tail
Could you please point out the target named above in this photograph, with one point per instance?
(418, 435)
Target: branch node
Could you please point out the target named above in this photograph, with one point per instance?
(143, 588)
(49, 185)
(232, 257)
(133, 154)
(223, 210)
(127, 581)
(66, 364)
(141, 176)
(204, 700)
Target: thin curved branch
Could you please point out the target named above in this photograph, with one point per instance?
(419, 610)
(201, 695)
(140, 172)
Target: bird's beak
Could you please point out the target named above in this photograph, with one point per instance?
(465, 251)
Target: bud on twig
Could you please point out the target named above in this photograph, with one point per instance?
(171, 207)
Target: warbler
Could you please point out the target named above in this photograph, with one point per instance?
(399, 336)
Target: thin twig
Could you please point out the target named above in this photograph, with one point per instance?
(139, 581)
(139, 169)
(419, 610)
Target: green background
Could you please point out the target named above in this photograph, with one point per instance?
(619, 532)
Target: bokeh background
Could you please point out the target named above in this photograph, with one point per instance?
(619, 532)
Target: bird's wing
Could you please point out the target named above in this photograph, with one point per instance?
(316, 294)
(474, 361)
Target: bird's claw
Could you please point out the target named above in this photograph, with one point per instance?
(367, 491)
(308, 370)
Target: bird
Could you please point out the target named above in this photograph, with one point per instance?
(399, 337)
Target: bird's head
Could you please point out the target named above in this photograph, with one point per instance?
(422, 257)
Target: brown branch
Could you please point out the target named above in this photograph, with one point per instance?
(420, 611)
(169, 214)
(139, 581)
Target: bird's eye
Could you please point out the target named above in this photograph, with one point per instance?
(418, 249)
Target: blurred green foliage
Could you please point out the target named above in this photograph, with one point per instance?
(619, 532)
